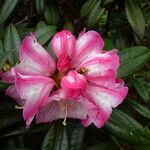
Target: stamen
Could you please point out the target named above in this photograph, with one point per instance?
(6, 67)
(18, 107)
(83, 70)
(66, 112)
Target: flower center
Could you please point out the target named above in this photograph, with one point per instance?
(83, 70)
(57, 78)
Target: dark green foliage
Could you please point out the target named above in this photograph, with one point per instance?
(124, 25)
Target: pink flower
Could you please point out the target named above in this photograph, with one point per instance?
(84, 85)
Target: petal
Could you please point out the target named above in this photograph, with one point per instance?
(12, 92)
(57, 110)
(101, 64)
(73, 83)
(101, 96)
(8, 77)
(34, 59)
(63, 43)
(87, 45)
(73, 80)
(35, 90)
(64, 63)
(98, 112)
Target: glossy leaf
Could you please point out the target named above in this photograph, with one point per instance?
(3, 57)
(135, 16)
(44, 32)
(56, 138)
(125, 127)
(51, 15)
(1, 46)
(7, 9)
(144, 111)
(12, 43)
(76, 135)
(95, 14)
(87, 8)
(24, 130)
(141, 90)
(132, 59)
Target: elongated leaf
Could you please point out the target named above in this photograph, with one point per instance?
(1, 46)
(12, 42)
(141, 89)
(24, 130)
(44, 32)
(132, 59)
(3, 57)
(40, 4)
(56, 138)
(51, 14)
(6, 9)
(126, 128)
(144, 111)
(135, 16)
(87, 8)
(76, 135)
(95, 14)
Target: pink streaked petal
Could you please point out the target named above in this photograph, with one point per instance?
(8, 77)
(35, 90)
(63, 43)
(73, 80)
(97, 114)
(34, 59)
(85, 45)
(57, 110)
(101, 63)
(106, 81)
(12, 92)
(63, 63)
(101, 96)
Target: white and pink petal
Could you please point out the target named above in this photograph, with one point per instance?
(35, 90)
(34, 59)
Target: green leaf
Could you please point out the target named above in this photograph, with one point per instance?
(87, 8)
(95, 14)
(56, 138)
(3, 57)
(92, 11)
(132, 59)
(108, 44)
(141, 89)
(3, 86)
(12, 42)
(1, 46)
(51, 14)
(24, 130)
(144, 111)
(40, 5)
(44, 32)
(6, 9)
(125, 127)
(135, 16)
(76, 135)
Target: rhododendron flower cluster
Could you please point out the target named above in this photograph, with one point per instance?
(81, 84)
